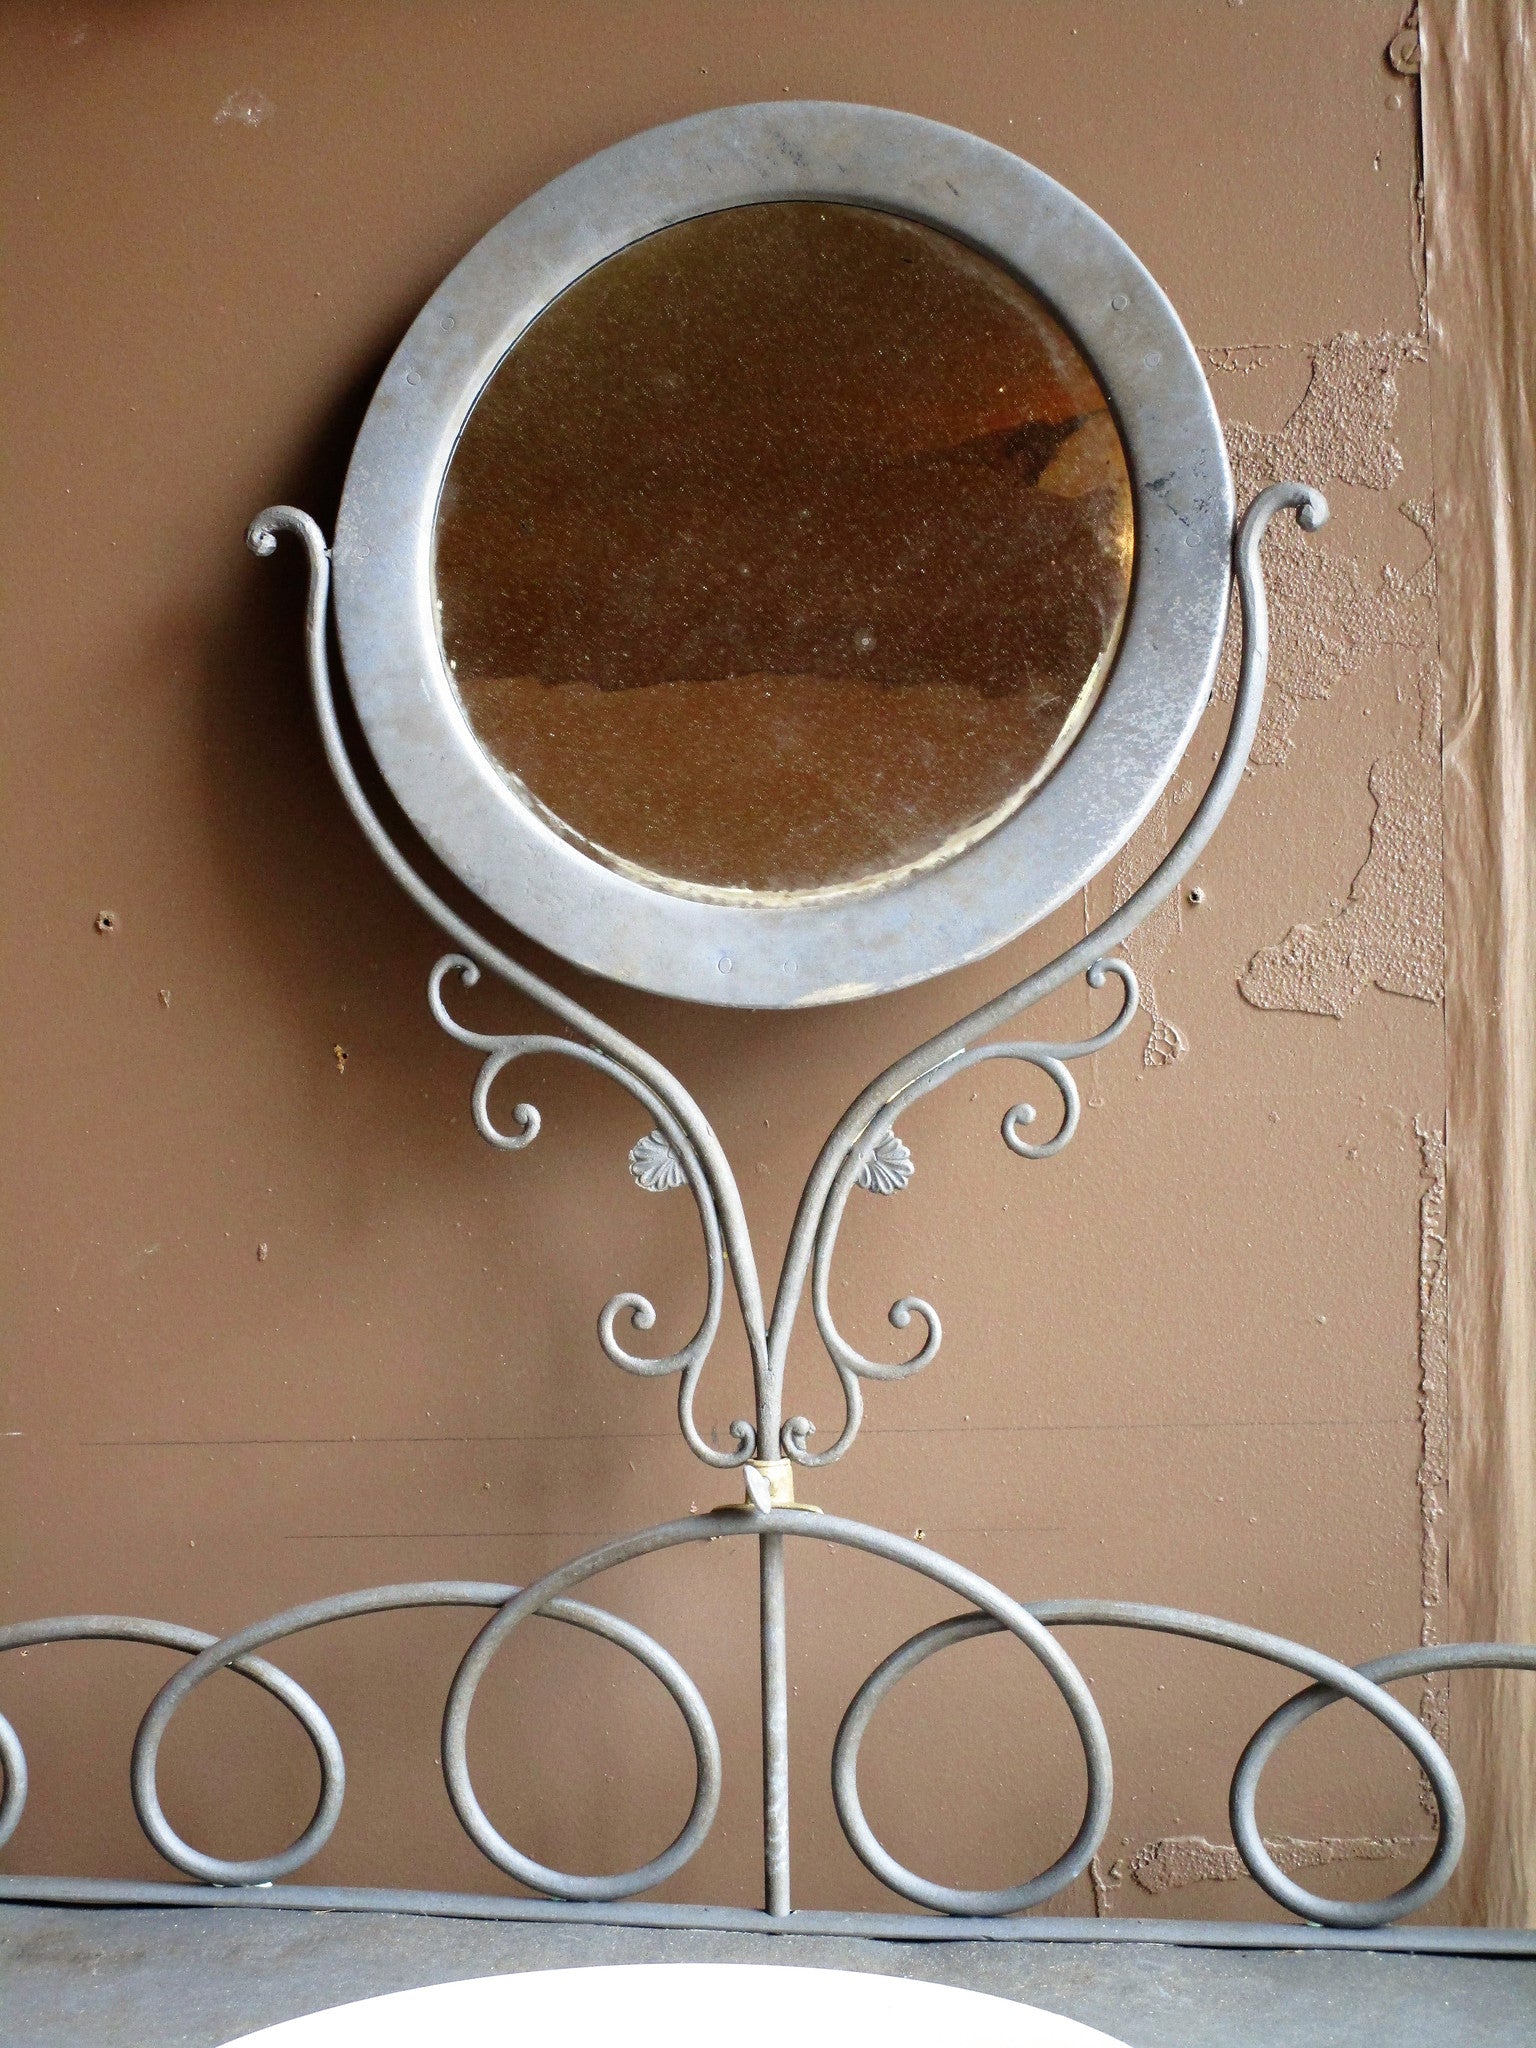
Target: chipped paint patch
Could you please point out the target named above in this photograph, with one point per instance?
(1336, 615)
(1390, 934)
(1165, 1042)
(1434, 1419)
(1343, 426)
(1174, 1862)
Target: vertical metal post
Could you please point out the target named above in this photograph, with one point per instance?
(775, 1727)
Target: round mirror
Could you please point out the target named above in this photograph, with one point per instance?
(785, 552)
(787, 556)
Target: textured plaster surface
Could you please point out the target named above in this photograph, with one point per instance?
(1434, 1416)
(1342, 616)
(1178, 1861)
(1340, 613)
(1338, 617)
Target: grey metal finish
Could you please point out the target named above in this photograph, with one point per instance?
(1032, 1625)
(1336, 1682)
(837, 945)
(919, 1929)
(773, 1627)
(1267, 1739)
(771, 1528)
(768, 1448)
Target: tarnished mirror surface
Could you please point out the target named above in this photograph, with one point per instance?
(785, 552)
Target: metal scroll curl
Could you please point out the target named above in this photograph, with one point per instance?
(688, 1362)
(591, 1040)
(966, 1042)
(682, 1148)
(1050, 1060)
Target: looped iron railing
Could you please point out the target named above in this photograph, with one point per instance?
(991, 1611)
(210, 1654)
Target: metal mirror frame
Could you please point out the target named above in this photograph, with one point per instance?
(830, 948)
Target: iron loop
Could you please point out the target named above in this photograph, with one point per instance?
(487, 1838)
(1269, 1735)
(866, 1846)
(1000, 1611)
(144, 1770)
(1337, 1681)
(233, 1652)
(197, 1644)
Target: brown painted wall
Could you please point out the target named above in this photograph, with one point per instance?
(276, 1328)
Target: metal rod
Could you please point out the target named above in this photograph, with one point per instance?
(316, 1898)
(775, 1728)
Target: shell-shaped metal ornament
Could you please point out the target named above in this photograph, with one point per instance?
(888, 1168)
(655, 1166)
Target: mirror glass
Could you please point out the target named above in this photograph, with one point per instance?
(785, 552)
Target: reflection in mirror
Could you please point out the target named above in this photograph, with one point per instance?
(786, 551)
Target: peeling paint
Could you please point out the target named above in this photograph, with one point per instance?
(1434, 1418)
(1174, 1862)
(1165, 1042)
(1390, 934)
(1343, 427)
(1337, 614)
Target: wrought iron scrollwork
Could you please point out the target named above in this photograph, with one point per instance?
(1034, 1625)
(680, 1149)
(500, 1053)
(209, 1654)
(864, 1150)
